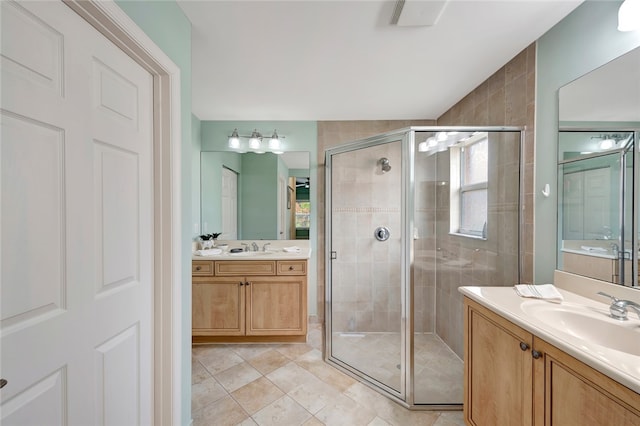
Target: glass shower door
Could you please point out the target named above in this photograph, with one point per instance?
(366, 327)
(466, 228)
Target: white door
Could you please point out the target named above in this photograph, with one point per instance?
(229, 205)
(282, 208)
(597, 202)
(76, 224)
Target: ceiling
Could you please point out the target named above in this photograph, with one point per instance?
(343, 60)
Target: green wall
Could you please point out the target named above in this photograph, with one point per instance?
(259, 197)
(165, 23)
(586, 39)
(196, 139)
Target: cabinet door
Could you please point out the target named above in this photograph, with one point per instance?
(276, 306)
(218, 307)
(498, 370)
(576, 394)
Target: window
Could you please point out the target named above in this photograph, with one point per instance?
(469, 188)
(303, 212)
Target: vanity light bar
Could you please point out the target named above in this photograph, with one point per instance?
(255, 141)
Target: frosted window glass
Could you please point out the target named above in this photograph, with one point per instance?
(474, 160)
(474, 212)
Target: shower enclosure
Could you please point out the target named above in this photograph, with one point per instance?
(410, 217)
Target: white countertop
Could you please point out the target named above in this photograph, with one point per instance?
(593, 248)
(620, 366)
(275, 250)
(589, 253)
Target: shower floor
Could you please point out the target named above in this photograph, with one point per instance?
(438, 375)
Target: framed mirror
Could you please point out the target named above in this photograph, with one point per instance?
(599, 123)
(251, 196)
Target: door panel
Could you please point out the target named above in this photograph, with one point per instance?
(229, 205)
(42, 403)
(77, 222)
(218, 306)
(34, 248)
(276, 305)
(366, 288)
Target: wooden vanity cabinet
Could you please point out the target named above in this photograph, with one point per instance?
(498, 376)
(250, 301)
(572, 393)
(515, 378)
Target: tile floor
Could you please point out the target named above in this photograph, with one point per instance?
(287, 385)
(439, 372)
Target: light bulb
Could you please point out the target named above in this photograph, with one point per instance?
(234, 140)
(607, 144)
(629, 15)
(274, 142)
(254, 142)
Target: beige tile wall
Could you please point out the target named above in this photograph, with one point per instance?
(336, 133)
(507, 98)
(366, 293)
(457, 261)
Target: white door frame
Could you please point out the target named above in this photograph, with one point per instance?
(107, 17)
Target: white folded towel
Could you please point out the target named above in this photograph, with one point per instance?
(209, 252)
(293, 249)
(541, 291)
(597, 249)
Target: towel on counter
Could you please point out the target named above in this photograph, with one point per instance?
(596, 249)
(542, 291)
(209, 252)
(293, 249)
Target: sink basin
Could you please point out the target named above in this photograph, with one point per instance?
(589, 324)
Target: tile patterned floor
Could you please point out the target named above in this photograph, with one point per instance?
(288, 385)
(438, 372)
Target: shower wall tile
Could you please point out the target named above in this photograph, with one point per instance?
(367, 200)
(507, 98)
(336, 133)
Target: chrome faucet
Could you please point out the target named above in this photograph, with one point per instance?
(619, 308)
(254, 246)
(264, 247)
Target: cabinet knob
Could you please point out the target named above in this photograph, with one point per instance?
(241, 283)
(247, 283)
(291, 268)
(198, 268)
(524, 346)
(535, 354)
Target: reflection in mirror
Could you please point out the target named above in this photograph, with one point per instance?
(599, 121)
(595, 194)
(255, 196)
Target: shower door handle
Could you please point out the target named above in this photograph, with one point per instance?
(334, 255)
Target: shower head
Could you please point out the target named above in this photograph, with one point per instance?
(384, 164)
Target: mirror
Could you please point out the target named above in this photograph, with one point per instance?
(599, 123)
(251, 196)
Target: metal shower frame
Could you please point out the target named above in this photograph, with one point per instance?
(405, 396)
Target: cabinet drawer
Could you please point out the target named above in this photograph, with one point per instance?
(242, 267)
(202, 267)
(292, 267)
